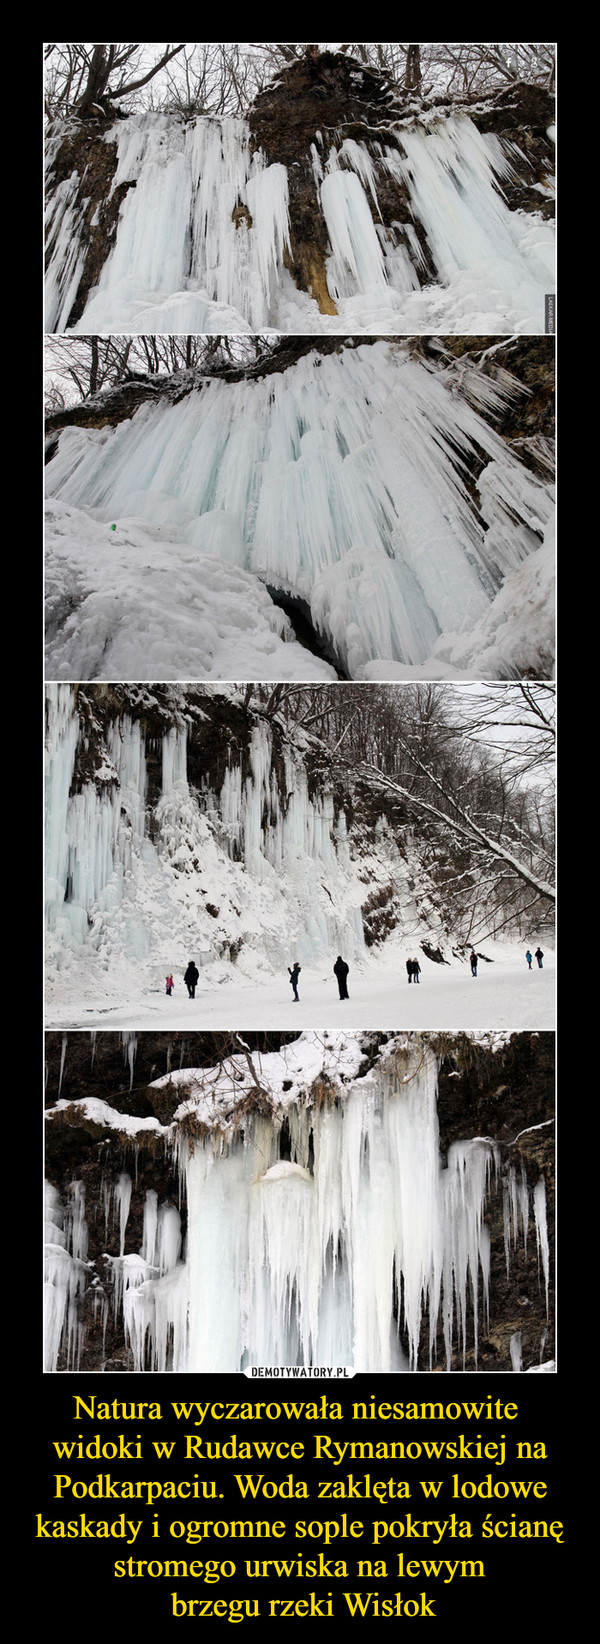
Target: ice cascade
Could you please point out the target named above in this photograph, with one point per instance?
(250, 863)
(323, 1225)
(341, 482)
(203, 234)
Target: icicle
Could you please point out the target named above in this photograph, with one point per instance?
(516, 1352)
(122, 1202)
(129, 1043)
(63, 1052)
(65, 1279)
(541, 1231)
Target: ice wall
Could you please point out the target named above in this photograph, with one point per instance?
(65, 1276)
(335, 1254)
(203, 234)
(341, 481)
(256, 864)
(93, 835)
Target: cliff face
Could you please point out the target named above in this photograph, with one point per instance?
(335, 200)
(334, 100)
(276, 1123)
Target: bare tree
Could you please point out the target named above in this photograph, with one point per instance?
(84, 78)
(223, 78)
(471, 770)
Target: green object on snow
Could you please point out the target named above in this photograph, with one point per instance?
(113, 527)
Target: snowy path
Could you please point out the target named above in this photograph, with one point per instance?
(506, 997)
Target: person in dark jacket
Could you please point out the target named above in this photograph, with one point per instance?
(190, 979)
(416, 970)
(539, 956)
(293, 976)
(473, 962)
(409, 969)
(293, 979)
(340, 970)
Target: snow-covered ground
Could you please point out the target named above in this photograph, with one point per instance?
(186, 261)
(134, 604)
(504, 992)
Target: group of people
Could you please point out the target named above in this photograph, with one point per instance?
(190, 979)
(340, 971)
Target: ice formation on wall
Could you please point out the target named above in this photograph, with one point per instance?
(203, 235)
(333, 1255)
(341, 482)
(65, 1275)
(259, 868)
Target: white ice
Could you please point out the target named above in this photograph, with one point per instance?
(245, 879)
(203, 235)
(339, 481)
(301, 1260)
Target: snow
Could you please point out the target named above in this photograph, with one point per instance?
(136, 604)
(340, 481)
(504, 992)
(300, 1260)
(203, 233)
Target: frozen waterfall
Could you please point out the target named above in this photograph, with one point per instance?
(335, 1249)
(341, 482)
(203, 234)
(252, 863)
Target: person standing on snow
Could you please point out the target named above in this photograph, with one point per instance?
(539, 956)
(473, 962)
(190, 979)
(340, 970)
(416, 970)
(409, 969)
(170, 985)
(529, 957)
(293, 976)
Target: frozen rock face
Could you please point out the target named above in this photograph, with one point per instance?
(329, 209)
(200, 829)
(343, 482)
(323, 1225)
